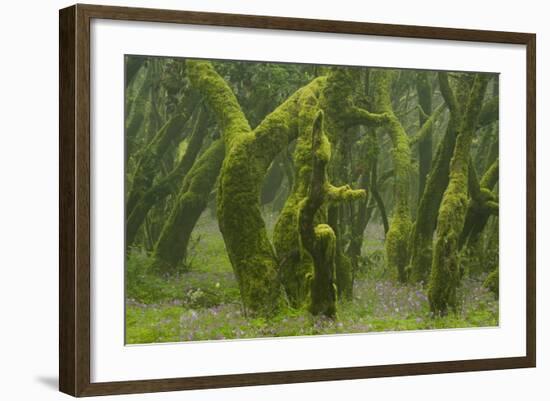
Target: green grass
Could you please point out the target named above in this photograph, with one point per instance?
(204, 303)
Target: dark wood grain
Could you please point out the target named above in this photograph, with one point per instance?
(67, 265)
(531, 178)
(74, 199)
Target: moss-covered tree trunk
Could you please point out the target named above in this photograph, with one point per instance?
(147, 165)
(171, 248)
(445, 275)
(319, 240)
(249, 153)
(397, 238)
(334, 96)
(158, 191)
(368, 179)
(436, 183)
(483, 204)
(136, 109)
(424, 91)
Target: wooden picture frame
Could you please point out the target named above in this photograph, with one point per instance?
(74, 203)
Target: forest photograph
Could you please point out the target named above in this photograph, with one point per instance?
(271, 199)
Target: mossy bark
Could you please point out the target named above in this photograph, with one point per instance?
(344, 268)
(368, 181)
(319, 240)
(133, 65)
(249, 155)
(445, 274)
(171, 247)
(334, 96)
(296, 265)
(421, 245)
(397, 238)
(492, 282)
(167, 184)
(147, 165)
(136, 110)
(424, 91)
(482, 205)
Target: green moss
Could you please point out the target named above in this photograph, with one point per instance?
(421, 244)
(147, 164)
(323, 294)
(154, 193)
(294, 263)
(490, 177)
(171, 247)
(335, 96)
(249, 155)
(445, 273)
(492, 282)
(344, 276)
(220, 99)
(397, 238)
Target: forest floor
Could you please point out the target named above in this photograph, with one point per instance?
(204, 303)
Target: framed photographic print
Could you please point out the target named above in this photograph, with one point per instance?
(250, 200)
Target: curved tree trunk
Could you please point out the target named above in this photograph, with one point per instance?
(171, 248)
(319, 240)
(149, 160)
(334, 96)
(482, 206)
(168, 184)
(397, 238)
(437, 181)
(249, 153)
(248, 156)
(445, 275)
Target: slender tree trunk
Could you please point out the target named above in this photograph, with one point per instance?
(273, 181)
(424, 90)
(367, 181)
(136, 112)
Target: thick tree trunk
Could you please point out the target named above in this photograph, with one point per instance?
(334, 96)
(249, 155)
(445, 275)
(319, 240)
